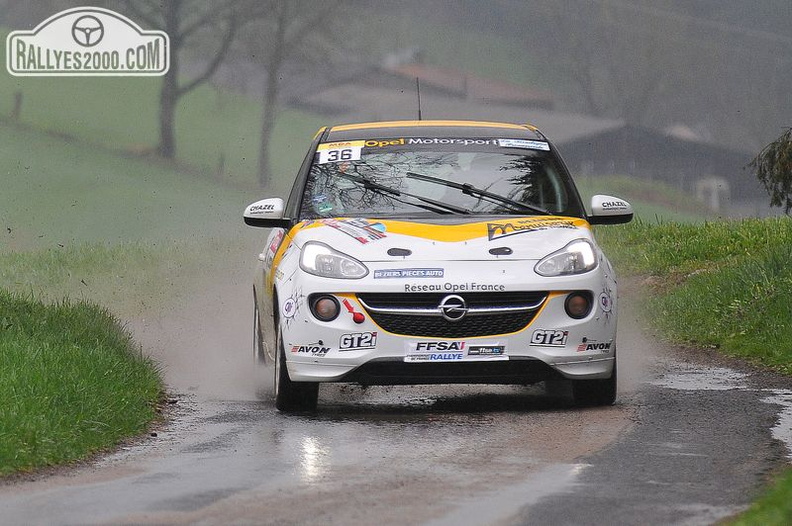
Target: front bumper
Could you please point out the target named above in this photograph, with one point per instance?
(550, 346)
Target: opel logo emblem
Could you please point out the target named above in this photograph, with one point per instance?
(453, 307)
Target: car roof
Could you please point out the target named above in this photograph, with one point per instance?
(436, 128)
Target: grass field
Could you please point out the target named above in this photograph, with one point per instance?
(57, 193)
(212, 128)
(217, 132)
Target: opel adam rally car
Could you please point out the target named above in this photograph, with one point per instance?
(423, 252)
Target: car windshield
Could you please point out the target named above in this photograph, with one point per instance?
(384, 182)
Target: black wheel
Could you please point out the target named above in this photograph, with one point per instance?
(292, 396)
(259, 351)
(590, 393)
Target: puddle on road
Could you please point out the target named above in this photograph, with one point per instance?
(695, 378)
(783, 429)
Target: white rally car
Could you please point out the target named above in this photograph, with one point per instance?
(423, 252)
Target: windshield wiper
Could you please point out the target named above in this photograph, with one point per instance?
(436, 206)
(471, 190)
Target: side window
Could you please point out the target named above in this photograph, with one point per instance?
(296, 194)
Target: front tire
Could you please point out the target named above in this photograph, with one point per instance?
(292, 396)
(591, 393)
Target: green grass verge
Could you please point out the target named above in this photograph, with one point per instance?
(721, 284)
(72, 383)
(772, 509)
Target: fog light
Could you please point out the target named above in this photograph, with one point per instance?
(325, 308)
(578, 305)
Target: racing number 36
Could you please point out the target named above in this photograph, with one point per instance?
(347, 154)
(340, 154)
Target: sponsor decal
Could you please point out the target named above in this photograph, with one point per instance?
(359, 229)
(314, 349)
(438, 346)
(435, 357)
(277, 237)
(593, 345)
(495, 349)
(357, 317)
(357, 341)
(454, 287)
(522, 226)
(322, 204)
(409, 273)
(380, 143)
(614, 205)
(605, 302)
(412, 141)
(523, 143)
(87, 41)
(291, 306)
(333, 152)
(453, 351)
(549, 337)
(261, 209)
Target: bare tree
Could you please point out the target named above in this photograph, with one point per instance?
(294, 30)
(185, 21)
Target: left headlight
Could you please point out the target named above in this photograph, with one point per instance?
(575, 258)
(321, 260)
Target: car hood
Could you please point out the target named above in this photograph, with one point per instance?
(515, 238)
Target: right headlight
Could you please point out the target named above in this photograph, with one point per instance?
(575, 258)
(321, 260)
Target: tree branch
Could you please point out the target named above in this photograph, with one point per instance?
(228, 38)
(133, 6)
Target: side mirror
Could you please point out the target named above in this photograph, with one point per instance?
(607, 210)
(267, 213)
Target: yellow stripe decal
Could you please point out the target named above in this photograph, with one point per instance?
(409, 124)
(465, 232)
(339, 144)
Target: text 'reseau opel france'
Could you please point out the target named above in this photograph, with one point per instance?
(431, 252)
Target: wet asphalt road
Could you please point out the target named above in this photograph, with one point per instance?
(691, 441)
